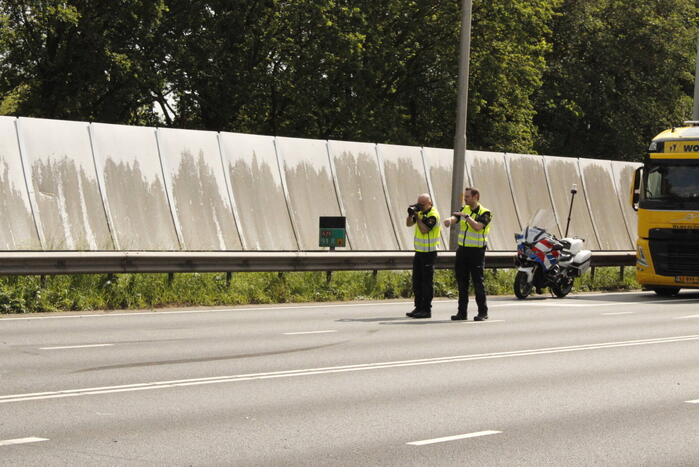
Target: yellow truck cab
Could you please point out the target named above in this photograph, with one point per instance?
(665, 192)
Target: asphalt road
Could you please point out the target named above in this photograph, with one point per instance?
(610, 379)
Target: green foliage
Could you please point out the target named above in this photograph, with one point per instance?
(618, 74)
(25, 294)
(510, 41)
(80, 60)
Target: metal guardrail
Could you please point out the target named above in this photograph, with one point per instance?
(110, 262)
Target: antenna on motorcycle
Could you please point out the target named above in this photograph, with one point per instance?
(573, 190)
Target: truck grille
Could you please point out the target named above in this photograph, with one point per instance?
(675, 252)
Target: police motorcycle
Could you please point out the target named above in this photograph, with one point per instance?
(544, 261)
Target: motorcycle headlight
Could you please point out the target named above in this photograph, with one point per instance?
(641, 256)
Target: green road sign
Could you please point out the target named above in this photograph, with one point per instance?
(332, 232)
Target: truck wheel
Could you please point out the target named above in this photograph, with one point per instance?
(666, 291)
(522, 287)
(564, 288)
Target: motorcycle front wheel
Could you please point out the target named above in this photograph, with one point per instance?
(522, 286)
(564, 288)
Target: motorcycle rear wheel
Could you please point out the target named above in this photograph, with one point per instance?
(564, 288)
(522, 286)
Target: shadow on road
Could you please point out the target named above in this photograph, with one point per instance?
(419, 322)
(368, 320)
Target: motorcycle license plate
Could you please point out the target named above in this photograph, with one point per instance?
(687, 279)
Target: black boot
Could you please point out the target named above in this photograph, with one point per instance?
(480, 317)
(412, 314)
(459, 316)
(422, 314)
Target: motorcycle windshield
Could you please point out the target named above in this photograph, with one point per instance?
(542, 219)
(540, 224)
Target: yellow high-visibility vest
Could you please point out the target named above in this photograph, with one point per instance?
(426, 242)
(473, 238)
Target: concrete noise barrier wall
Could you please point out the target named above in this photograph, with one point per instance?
(562, 173)
(361, 188)
(18, 230)
(603, 203)
(78, 186)
(489, 174)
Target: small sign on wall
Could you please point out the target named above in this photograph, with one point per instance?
(332, 232)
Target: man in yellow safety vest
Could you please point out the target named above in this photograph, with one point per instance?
(425, 217)
(474, 225)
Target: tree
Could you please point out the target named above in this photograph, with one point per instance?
(619, 73)
(510, 42)
(80, 60)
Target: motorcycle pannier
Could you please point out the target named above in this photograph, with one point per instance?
(581, 263)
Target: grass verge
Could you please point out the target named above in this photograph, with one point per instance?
(27, 294)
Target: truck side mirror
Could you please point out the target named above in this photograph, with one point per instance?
(636, 188)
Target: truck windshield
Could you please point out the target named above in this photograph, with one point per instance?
(672, 182)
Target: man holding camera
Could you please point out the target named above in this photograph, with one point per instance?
(424, 216)
(474, 226)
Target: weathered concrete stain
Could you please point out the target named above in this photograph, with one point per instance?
(260, 200)
(361, 190)
(139, 208)
(312, 195)
(623, 171)
(604, 202)
(205, 215)
(17, 231)
(529, 185)
(69, 204)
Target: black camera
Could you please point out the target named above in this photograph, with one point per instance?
(413, 208)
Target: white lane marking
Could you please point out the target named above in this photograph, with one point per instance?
(619, 313)
(335, 369)
(453, 438)
(687, 317)
(86, 346)
(695, 401)
(307, 332)
(9, 442)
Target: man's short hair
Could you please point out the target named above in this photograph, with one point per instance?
(474, 191)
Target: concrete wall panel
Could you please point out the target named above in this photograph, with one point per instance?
(310, 183)
(405, 181)
(258, 192)
(17, 231)
(58, 155)
(529, 186)
(623, 177)
(489, 175)
(127, 158)
(193, 168)
(601, 192)
(361, 189)
(562, 173)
